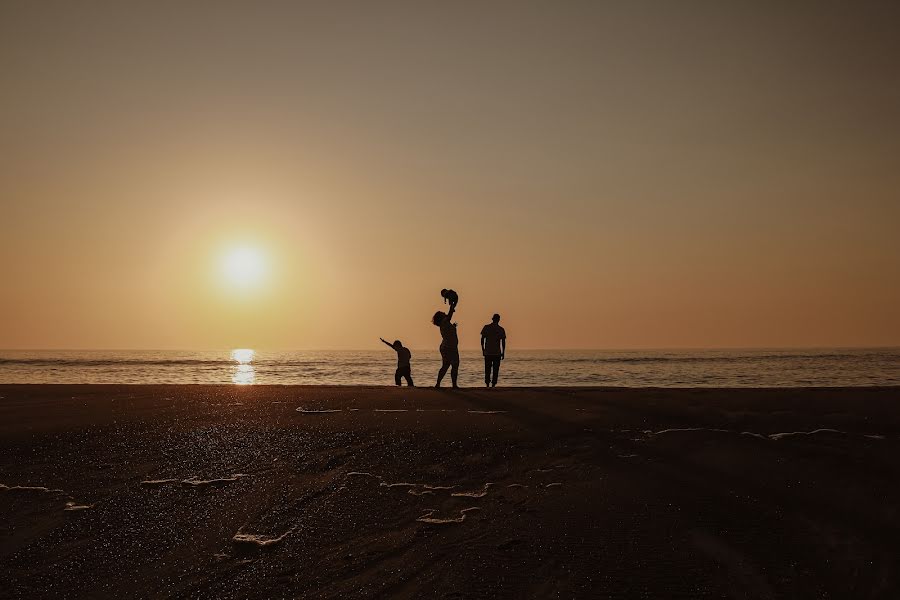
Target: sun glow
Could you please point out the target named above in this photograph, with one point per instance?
(244, 373)
(244, 266)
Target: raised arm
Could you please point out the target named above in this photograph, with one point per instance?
(387, 343)
(452, 310)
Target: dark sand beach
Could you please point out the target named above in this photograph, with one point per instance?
(232, 492)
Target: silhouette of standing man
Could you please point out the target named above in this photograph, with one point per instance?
(493, 346)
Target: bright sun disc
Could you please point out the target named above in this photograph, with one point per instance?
(244, 266)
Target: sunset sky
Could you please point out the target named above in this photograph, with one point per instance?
(604, 175)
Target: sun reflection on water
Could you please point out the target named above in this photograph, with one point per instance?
(243, 373)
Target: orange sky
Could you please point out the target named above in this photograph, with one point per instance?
(615, 176)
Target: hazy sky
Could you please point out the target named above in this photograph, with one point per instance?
(604, 174)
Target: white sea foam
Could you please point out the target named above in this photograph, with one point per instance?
(321, 411)
(771, 436)
(474, 493)
(71, 506)
(194, 481)
(258, 539)
(780, 436)
(485, 412)
(432, 520)
(30, 488)
(686, 429)
(158, 481)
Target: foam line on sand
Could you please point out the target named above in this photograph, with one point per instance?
(474, 493)
(194, 481)
(259, 540)
(29, 488)
(432, 520)
(771, 436)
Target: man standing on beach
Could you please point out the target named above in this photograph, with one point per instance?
(493, 346)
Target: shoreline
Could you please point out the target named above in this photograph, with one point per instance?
(499, 388)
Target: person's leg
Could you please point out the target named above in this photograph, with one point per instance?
(496, 370)
(487, 370)
(445, 364)
(407, 373)
(397, 374)
(454, 369)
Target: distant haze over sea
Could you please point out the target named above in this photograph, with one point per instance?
(662, 368)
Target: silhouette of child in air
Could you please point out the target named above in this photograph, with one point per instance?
(403, 367)
(450, 297)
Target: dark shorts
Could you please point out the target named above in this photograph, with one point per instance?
(450, 356)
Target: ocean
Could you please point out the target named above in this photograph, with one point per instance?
(663, 368)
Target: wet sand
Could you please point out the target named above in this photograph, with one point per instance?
(348, 492)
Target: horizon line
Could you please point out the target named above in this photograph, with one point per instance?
(550, 349)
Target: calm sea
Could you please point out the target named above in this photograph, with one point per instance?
(731, 368)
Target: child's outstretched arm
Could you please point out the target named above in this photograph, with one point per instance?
(387, 343)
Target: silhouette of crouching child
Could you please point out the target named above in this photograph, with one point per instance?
(404, 370)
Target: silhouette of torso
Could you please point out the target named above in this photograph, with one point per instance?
(448, 334)
(403, 356)
(492, 333)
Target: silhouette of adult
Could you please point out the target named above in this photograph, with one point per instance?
(449, 344)
(493, 346)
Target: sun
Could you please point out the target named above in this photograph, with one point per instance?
(244, 266)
